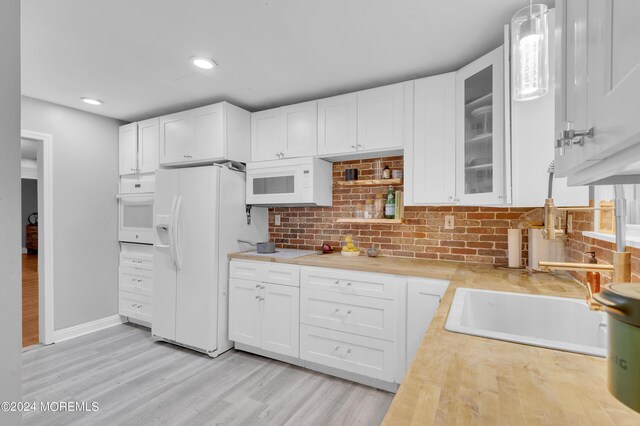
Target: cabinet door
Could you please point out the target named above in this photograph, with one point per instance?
(128, 149)
(422, 302)
(614, 78)
(337, 124)
(267, 135)
(209, 138)
(480, 130)
(430, 159)
(280, 319)
(381, 118)
(301, 127)
(244, 312)
(148, 141)
(176, 137)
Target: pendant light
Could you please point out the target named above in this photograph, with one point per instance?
(530, 52)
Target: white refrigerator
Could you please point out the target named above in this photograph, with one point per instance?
(199, 214)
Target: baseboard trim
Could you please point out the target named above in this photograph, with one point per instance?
(86, 328)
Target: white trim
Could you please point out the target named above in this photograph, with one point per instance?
(45, 237)
(86, 328)
(631, 242)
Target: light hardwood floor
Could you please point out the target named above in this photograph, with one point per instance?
(30, 300)
(138, 381)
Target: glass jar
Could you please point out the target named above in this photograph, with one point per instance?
(368, 209)
(378, 207)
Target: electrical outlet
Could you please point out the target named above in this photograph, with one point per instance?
(278, 220)
(569, 223)
(449, 222)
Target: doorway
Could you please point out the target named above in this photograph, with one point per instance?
(37, 242)
(29, 213)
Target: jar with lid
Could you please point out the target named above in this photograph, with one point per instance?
(358, 211)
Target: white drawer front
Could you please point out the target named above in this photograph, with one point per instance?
(362, 315)
(281, 274)
(245, 270)
(135, 306)
(134, 280)
(136, 256)
(357, 354)
(350, 282)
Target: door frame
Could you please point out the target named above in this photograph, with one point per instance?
(45, 234)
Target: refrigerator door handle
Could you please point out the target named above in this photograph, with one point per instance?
(172, 242)
(176, 220)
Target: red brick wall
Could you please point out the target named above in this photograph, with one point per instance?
(577, 245)
(480, 233)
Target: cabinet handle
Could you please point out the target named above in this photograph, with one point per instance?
(337, 310)
(261, 299)
(258, 297)
(456, 199)
(139, 281)
(353, 147)
(257, 285)
(348, 284)
(337, 348)
(348, 351)
(360, 146)
(262, 287)
(349, 312)
(277, 155)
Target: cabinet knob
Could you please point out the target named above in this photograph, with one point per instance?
(349, 312)
(337, 310)
(353, 147)
(348, 351)
(257, 285)
(282, 155)
(348, 284)
(360, 146)
(258, 297)
(337, 282)
(337, 348)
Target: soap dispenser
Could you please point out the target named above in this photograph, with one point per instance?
(593, 277)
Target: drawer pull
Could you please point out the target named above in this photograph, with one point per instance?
(257, 285)
(349, 312)
(336, 349)
(139, 281)
(348, 351)
(348, 284)
(337, 310)
(258, 297)
(337, 282)
(262, 287)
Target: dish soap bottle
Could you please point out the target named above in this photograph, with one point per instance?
(390, 205)
(593, 277)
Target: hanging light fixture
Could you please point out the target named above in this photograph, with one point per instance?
(530, 52)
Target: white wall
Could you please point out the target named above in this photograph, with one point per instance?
(85, 178)
(10, 267)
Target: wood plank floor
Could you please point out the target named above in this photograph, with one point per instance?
(141, 382)
(30, 300)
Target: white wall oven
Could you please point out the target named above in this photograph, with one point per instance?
(135, 219)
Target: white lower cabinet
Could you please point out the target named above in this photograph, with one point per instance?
(356, 354)
(135, 282)
(362, 326)
(423, 298)
(264, 315)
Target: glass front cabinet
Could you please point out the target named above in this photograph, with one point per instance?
(480, 128)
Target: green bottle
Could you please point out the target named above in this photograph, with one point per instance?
(390, 205)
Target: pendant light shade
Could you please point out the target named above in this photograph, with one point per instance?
(530, 52)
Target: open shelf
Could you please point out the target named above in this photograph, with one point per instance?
(481, 137)
(479, 166)
(371, 182)
(477, 102)
(388, 221)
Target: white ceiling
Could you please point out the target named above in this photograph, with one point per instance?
(133, 54)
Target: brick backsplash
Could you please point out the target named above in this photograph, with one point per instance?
(480, 233)
(578, 245)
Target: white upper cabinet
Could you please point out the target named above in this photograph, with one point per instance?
(301, 129)
(599, 88)
(128, 149)
(148, 145)
(285, 132)
(532, 133)
(381, 118)
(212, 133)
(266, 135)
(480, 131)
(338, 124)
(430, 158)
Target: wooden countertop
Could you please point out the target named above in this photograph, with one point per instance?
(461, 379)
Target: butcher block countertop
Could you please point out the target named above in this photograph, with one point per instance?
(461, 379)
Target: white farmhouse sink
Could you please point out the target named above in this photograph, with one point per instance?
(546, 321)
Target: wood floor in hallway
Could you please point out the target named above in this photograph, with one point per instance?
(137, 381)
(30, 300)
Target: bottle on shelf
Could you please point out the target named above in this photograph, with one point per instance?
(390, 205)
(386, 173)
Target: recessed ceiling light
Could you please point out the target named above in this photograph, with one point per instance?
(203, 63)
(91, 101)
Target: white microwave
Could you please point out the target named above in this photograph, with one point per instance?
(291, 182)
(135, 218)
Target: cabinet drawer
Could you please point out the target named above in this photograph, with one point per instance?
(357, 354)
(350, 282)
(362, 315)
(281, 274)
(245, 270)
(134, 280)
(136, 256)
(135, 306)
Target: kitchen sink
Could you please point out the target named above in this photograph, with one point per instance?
(550, 322)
